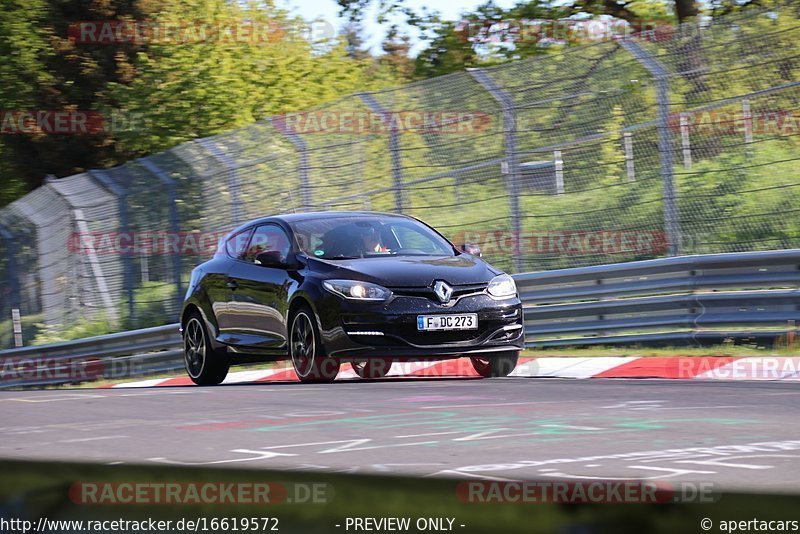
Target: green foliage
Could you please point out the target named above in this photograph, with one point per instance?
(42, 69)
(447, 52)
(744, 200)
(54, 333)
(197, 90)
(22, 45)
(29, 330)
(612, 155)
(155, 95)
(152, 304)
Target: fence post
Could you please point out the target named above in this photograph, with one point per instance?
(629, 164)
(559, 166)
(13, 281)
(233, 176)
(510, 142)
(174, 219)
(665, 145)
(105, 180)
(16, 326)
(97, 271)
(302, 164)
(394, 149)
(686, 145)
(747, 118)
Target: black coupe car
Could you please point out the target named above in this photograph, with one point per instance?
(360, 287)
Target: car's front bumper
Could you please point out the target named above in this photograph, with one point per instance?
(364, 330)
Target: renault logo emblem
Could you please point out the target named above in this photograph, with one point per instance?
(443, 291)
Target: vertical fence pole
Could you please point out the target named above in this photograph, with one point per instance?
(174, 220)
(302, 164)
(144, 268)
(665, 145)
(510, 141)
(233, 176)
(748, 122)
(104, 179)
(16, 325)
(97, 270)
(394, 149)
(629, 165)
(559, 166)
(13, 280)
(686, 146)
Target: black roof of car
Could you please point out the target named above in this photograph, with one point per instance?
(292, 217)
(309, 215)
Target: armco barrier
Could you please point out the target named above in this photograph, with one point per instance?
(665, 301)
(120, 355)
(669, 301)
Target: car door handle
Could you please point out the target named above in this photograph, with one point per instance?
(232, 284)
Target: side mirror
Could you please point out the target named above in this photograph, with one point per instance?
(472, 248)
(274, 259)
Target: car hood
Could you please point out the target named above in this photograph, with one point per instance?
(409, 271)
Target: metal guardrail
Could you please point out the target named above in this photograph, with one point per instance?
(114, 356)
(677, 300)
(669, 301)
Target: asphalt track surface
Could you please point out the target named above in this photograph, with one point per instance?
(743, 435)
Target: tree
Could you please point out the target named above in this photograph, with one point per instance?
(159, 92)
(686, 10)
(22, 45)
(448, 51)
(396, 48)
(486, 36)
(198, 90)
(44, 70)
(353, 33)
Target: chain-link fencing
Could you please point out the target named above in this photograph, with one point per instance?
(676, 141)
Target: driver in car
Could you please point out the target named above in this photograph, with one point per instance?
(371, 241)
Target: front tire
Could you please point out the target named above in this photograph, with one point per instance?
(306, 350)
(205, 365)
(494, 365)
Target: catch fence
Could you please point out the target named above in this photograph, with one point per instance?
(684, 141)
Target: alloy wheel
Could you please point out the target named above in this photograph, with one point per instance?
(302, 344)
(194, 345)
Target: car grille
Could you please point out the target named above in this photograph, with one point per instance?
(398, 321)
(411, 335)
(427, 292)
(405, 330)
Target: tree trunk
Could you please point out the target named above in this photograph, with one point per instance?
(686, 9)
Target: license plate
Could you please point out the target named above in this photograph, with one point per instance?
(466, 321)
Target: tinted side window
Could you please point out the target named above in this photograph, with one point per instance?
(236, 244)
(268, 238)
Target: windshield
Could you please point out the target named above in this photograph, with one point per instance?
(361, 237)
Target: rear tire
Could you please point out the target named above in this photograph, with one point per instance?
(494, 365)
(309, 360)
(206, 366)
(372, 368)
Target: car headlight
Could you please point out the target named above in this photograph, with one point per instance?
(353, 289)
(502, 287)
